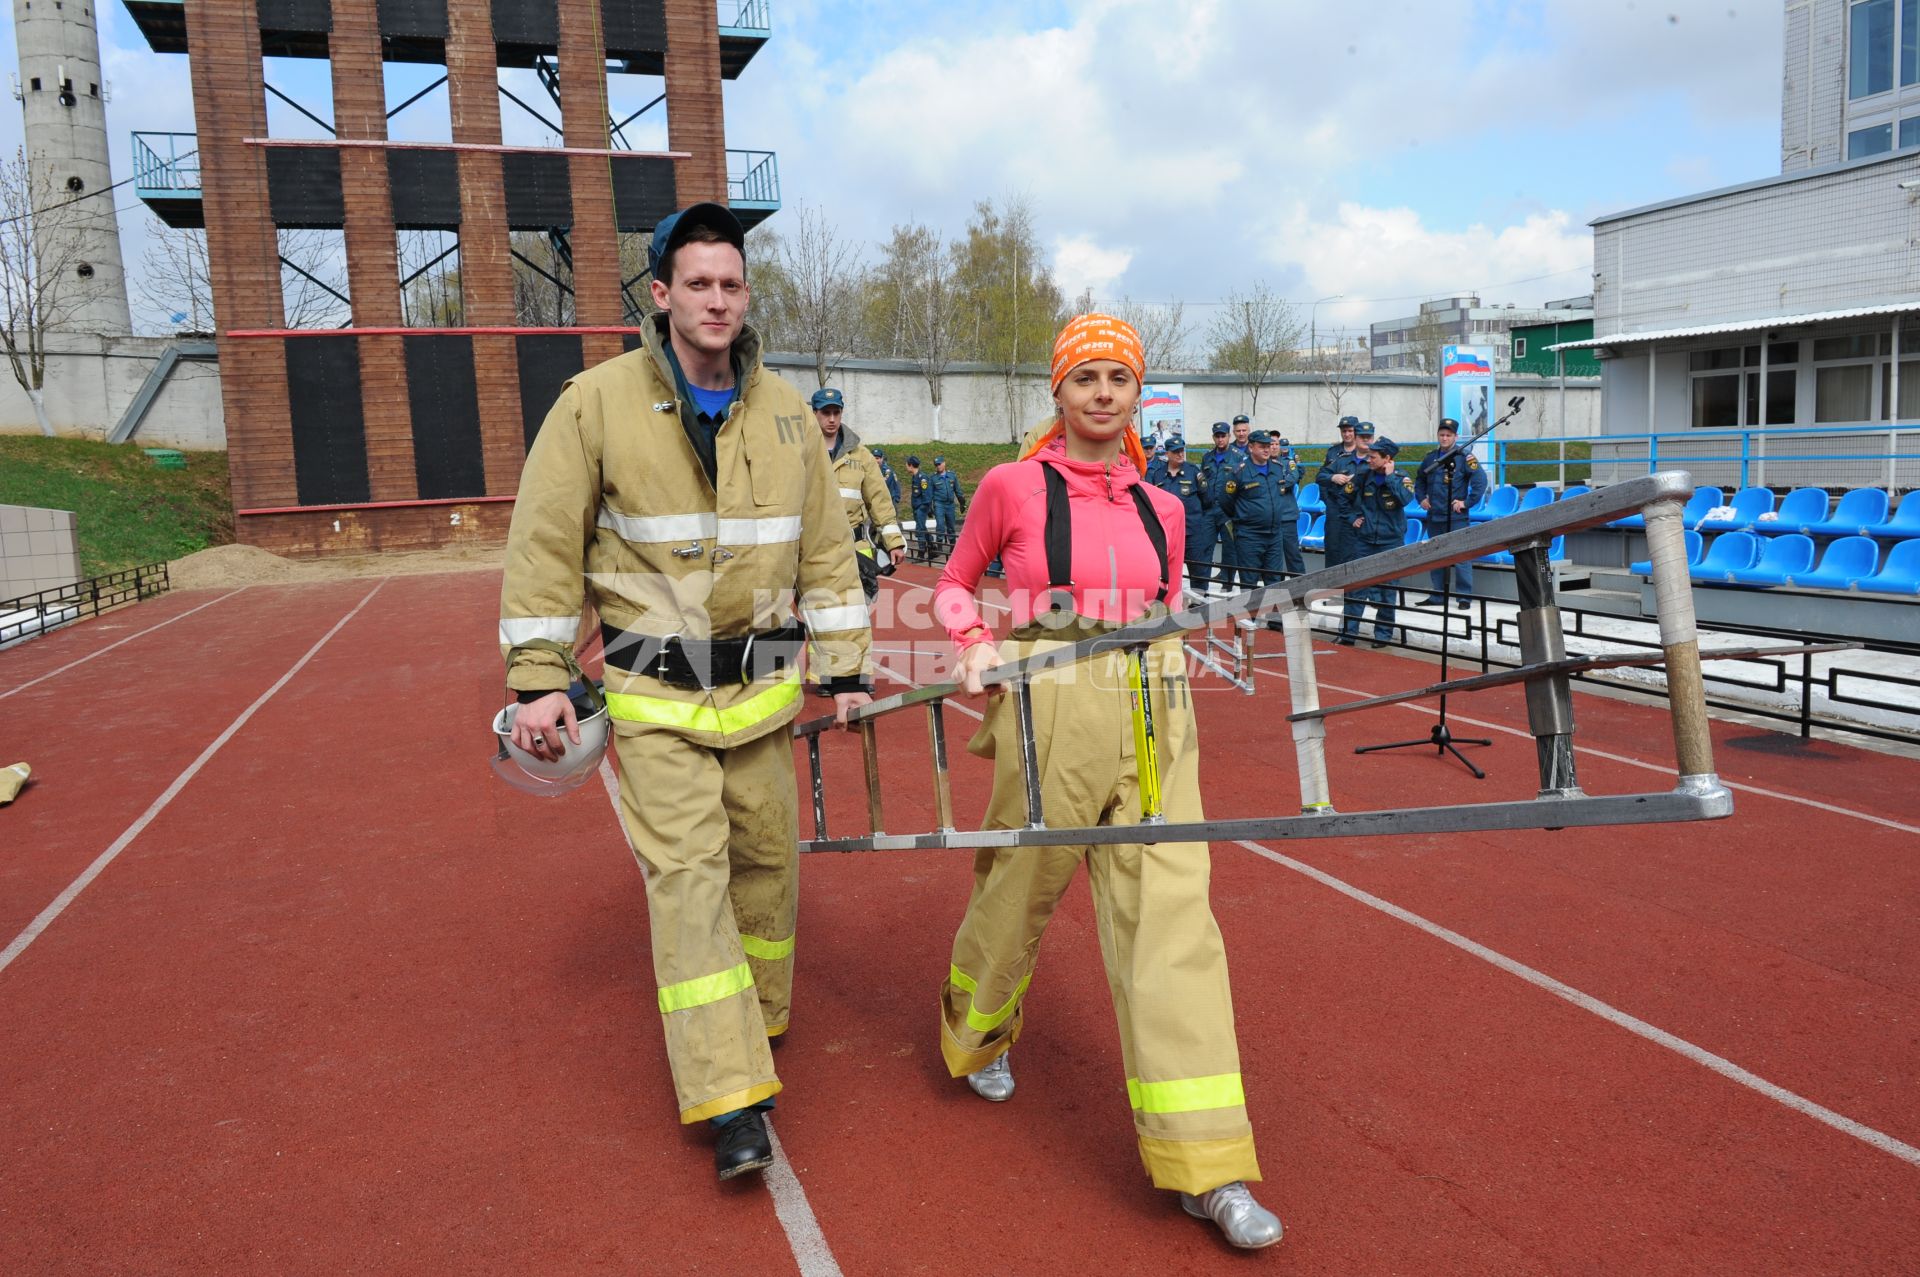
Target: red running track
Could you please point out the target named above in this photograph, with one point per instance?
(347, 1004)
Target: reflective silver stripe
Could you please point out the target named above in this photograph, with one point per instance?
(891, 530)
(661, 529)
(774, 530)
(524, 629)
(825, 620)
(851, 494)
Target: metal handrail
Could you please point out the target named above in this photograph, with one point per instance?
(177, 170)
(748, 15)
(37, 613)
(1698, 794)
(759, 177)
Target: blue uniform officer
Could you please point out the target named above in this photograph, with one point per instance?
(1216, 467)
(920, 500)
(949, 501)
(1266, 512)
(1450, 483)
(887, 476)
(1344, 460)
(1186, 483)
(1375, 506)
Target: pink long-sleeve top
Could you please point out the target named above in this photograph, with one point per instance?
(1116, 573)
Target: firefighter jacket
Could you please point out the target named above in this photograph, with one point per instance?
(1379, 502)
(1441, 485)
(863, 488)
(616, 503)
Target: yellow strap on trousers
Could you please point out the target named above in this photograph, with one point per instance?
(766, 950)
(628, 707)
(1187, 1094)
(704, 989)
(986, 1021)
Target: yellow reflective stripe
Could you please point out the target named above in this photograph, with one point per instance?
(661, 712)
(705, 989)
(977, 1020)
(766, 950)
(1187, 1094)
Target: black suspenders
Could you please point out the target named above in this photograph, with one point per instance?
(1059, 536)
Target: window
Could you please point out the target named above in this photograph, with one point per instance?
(1781, 384)
(1870, 48)
(1519, 347)
(1843, 393)
(1872, 140)
(1909, 41)
(1716, 400)
(1857, 346)
(1910, 130)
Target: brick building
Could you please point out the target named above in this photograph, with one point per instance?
(389, 435)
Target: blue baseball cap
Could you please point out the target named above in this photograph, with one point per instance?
(673, 229)
(1259, 436)
(1176, 444)
(1349, 423)
(912, 460)
(1222, 428)
(1448, 425)
(827, 398)
(879, 452)
(1386, 447)
(939, 460)
(1243, 418)
(1364, 430)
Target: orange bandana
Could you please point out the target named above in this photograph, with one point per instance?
(1083, 340)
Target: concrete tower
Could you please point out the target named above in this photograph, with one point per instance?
(66, 140)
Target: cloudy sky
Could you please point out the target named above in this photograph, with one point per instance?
(1380, 150)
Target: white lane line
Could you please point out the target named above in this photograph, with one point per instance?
(1587, 1002)
(809, 1244)
(107, 857)
(109, 647)
(978, 602)
(1737, 786)
(1613, 1015)
(790, 1205)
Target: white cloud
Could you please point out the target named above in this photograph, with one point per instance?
(1079, 264)
(1371, 253)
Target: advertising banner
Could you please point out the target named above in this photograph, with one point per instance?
(1162, 411)
(1466, 388)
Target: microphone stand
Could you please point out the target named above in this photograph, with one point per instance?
(1440, 736)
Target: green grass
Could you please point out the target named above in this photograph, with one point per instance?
(128, 510)
(968, 460)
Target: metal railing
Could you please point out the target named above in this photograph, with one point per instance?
(1866, 455)
(748, 17)
(33, 614)
(166, 162)
(753, 179)
(1546, 670)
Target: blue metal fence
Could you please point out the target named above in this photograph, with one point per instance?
(166, 162)
(1867, 455)
(746, 16)
(753, 179)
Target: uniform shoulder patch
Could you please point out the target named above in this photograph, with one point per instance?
(1232, 486)
(1473, 463)
(1348, 488)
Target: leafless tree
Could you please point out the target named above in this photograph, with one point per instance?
(179, 279)
(1334, 366)
(430, 265)
(821, 282)
(542, 281)
(37, 275)
(1430, 336)
(1255, 335)
(931, 314)
(1162, 329)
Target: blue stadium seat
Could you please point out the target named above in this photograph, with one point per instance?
(1696, 546)
(1799, 510)
(1416, 533)
(1702, 500)
(1315, 538)
(1502, 501)
(1845, 561)
(1305, 524)
(1556, 551)
(1782, 557)
(1535, 497)
(1748, 505)
(1729, 552)
(1905, 521)
(1311, 498)
(1859, 509)
(1577, 490)
(1900, 574)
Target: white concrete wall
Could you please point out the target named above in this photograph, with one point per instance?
(888, 402)
(91, 380)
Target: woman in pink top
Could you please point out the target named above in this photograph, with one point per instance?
(1088, 546)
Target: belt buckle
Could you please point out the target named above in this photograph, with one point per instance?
(746, 659)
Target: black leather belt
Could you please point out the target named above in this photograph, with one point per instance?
(704, 664)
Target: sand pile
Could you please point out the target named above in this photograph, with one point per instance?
(228, 566)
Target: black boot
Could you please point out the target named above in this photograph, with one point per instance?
(742, 1145)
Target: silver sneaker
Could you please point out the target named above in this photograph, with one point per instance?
(995, 1082)
(1245, 1222)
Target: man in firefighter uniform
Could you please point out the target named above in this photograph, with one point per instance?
(1341, 463)
(1216, 468)
(920, 509)
(1265, 512)
(1449, 484)
(869, 509)
(949, 502)
(1375, 505)
(684, 489)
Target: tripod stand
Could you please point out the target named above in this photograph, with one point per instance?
(1440, 736)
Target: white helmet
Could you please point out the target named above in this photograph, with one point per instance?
(549, 777)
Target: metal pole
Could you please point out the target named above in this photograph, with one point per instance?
(1549, 700)
(1680, 639)
(1029, 755)
(1309, 734)
(942, 783)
